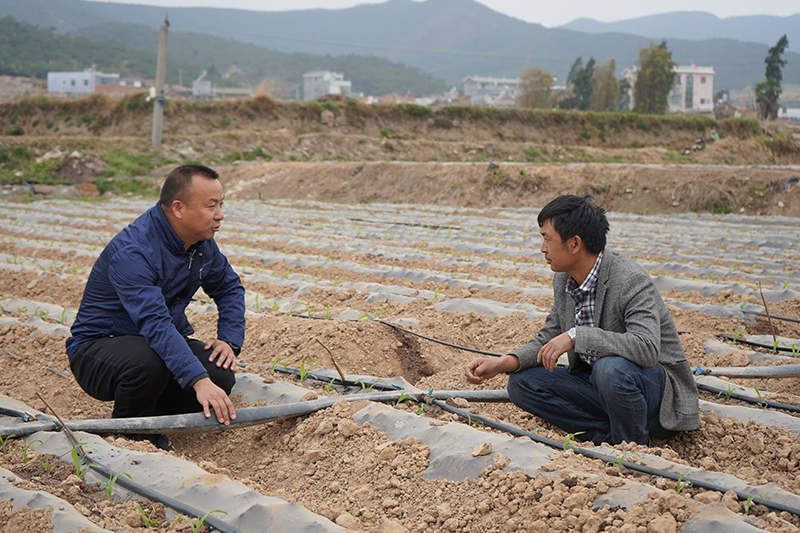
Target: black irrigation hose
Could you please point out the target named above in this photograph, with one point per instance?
(464, 348)
(756, 344)
(749, 399)
(610, 459)
(759, 313)
(150, 494)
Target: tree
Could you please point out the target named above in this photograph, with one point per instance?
(580, 78)
(654, 80)
(536, 87)
(768, 92)
(605, 88)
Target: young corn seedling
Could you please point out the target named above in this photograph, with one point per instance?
(569, 438)
(112, 480)
(401, 399)
(147, 519)
(682, 484)
(276, 361)
(621, 458)
(303, 370)
(761, 402)
(4, 442)
(198, 524)
(729, 392)
(48, 466)
(25, 449)
(736, 335)
(749, 503)
(80, 469)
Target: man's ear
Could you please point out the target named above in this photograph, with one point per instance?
(177, 209)
(575, 244)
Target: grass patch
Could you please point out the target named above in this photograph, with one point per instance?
(122, 163)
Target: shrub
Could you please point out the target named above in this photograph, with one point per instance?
(15, 129)
(20, 152)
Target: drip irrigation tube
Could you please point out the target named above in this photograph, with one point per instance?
(464, 348)
(608, 458)
(749, 399)
(150, 494)
(759, 313)
(758, 345)
(783, 371)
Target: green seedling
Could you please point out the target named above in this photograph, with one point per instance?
(621, 458)
(112, 480)
(749, 503)
(275, 306)
(48, 466)
(328, 312)
(329, 386)
(473, 423)
(63, 316)
(436, 292)
(80, 469)
(682, 484)
(401, 399)
(420, 410)
(569, 438)
(364, 387)
(25, 449)
(736, 335)
(761, 402)
(303, 371)
(4, 442)
(276, 361)
(197, 524)
(729, 392)
(147, 519)
(257, 305)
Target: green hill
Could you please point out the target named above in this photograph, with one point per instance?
(26, 50)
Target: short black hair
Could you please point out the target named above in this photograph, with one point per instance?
(179, 180)
(577, 215)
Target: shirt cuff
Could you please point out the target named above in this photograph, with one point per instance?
(198, 378)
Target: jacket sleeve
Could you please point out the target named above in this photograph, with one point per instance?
(222, 284)
(553, 327)
(133, 277)
(631, 326)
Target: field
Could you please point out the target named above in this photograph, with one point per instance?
(386, 271)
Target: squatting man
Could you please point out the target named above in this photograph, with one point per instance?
(131, 339)
(628, 378)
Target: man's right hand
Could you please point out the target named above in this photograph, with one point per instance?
(481, 369)
(212, 397)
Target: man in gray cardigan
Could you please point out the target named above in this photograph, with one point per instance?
(628, 378)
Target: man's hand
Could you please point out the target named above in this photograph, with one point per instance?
(212, 397)
(222, 350)
(482, 369)
(551, 351)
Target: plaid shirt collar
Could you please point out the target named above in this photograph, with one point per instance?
(588, 285)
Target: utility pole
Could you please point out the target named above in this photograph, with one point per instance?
(161, 74)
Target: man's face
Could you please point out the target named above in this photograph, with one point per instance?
(202, 211)
(556, 252)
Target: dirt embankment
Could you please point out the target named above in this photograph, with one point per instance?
(101, 115)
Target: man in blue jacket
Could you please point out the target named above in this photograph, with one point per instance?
(130, 341)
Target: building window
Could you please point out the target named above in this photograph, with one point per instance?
(702, 79)
(72, 82)
(702, 101)
(86, 83)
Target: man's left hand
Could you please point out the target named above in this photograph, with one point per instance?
(222, 352)
(551, 351)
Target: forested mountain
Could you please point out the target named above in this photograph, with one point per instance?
(26, 50)
(698, 25)
(448, 39)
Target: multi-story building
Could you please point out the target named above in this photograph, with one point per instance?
(79, 82)
(692, 91)
(321, 82)
(486, 90)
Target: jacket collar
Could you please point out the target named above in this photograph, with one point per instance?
(171, 240)
(602, 283)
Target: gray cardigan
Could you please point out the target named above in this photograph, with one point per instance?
(631, 321)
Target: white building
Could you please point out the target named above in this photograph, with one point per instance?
(79, 82)
(692, 92)
(485, 90)
(321, 82)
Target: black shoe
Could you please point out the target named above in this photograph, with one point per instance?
(160, 441)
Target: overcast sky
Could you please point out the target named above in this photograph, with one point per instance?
(547, 13)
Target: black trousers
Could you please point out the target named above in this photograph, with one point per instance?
(126, 370)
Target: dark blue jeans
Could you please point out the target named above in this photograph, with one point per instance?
(614, 402)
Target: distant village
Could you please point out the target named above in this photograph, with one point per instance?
(692, 93)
